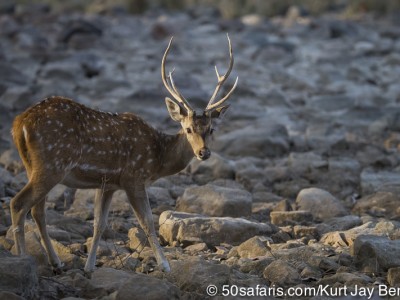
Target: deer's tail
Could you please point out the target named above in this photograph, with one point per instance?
(20, 136)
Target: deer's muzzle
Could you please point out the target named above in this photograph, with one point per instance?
(204, 153)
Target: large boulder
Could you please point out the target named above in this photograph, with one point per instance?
(215, 201)
(320, 203)
(375, 254)
(185, 228)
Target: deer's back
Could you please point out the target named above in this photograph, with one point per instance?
(60, 135)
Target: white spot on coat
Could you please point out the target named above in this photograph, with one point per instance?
(25, 132)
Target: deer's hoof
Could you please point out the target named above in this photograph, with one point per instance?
(58, 268)
(88, 270)
(88, 273)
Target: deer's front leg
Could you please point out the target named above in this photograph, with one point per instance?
(140, 203)
(102, 204)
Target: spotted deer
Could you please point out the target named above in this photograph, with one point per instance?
(62, 141)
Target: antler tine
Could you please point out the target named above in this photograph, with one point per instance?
(171, 88)
(176, 89)
(222, 79)
(212, 106)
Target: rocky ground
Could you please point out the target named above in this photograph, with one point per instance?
(302, 189)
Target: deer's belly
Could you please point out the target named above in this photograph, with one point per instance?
(92, 178)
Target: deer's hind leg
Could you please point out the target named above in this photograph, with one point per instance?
(33, 193)
(39, 215)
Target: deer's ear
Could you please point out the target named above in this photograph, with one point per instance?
(176, 111)
(219, 112)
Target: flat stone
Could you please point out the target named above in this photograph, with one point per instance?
(189, 229)
(283, 218)
(215, 201)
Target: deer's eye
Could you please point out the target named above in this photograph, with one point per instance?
(188, 130)
(212, 130)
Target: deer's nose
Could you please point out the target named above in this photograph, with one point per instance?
(204, 153)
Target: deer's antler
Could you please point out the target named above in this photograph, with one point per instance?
(221, 80)
(170, 86)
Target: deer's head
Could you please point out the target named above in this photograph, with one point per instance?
(197, 127)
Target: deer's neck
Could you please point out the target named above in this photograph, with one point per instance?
(176, 154)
